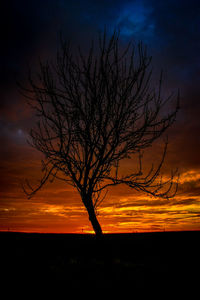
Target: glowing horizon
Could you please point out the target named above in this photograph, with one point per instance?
(124, 211)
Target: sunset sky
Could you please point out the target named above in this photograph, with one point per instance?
(171, 31)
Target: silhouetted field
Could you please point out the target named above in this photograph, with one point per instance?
(149, 260)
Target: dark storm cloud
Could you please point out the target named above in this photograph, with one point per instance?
(177, 26)
(22, 27)
(169, 28)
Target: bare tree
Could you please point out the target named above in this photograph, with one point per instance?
(94, 111)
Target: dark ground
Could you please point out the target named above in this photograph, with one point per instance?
(123, 261)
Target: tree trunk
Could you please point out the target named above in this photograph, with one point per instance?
(95, 223)
(92, 217)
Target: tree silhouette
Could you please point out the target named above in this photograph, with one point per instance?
(94, 111)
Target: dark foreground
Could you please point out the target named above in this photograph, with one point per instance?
(126, 261)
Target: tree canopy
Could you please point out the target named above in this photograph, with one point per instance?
(95, 110)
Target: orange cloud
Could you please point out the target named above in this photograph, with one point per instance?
(58, 208)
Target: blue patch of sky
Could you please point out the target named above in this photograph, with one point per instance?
(135, 20)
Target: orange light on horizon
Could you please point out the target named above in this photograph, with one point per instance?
(58, 209)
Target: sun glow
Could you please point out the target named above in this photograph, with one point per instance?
(122, 211)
